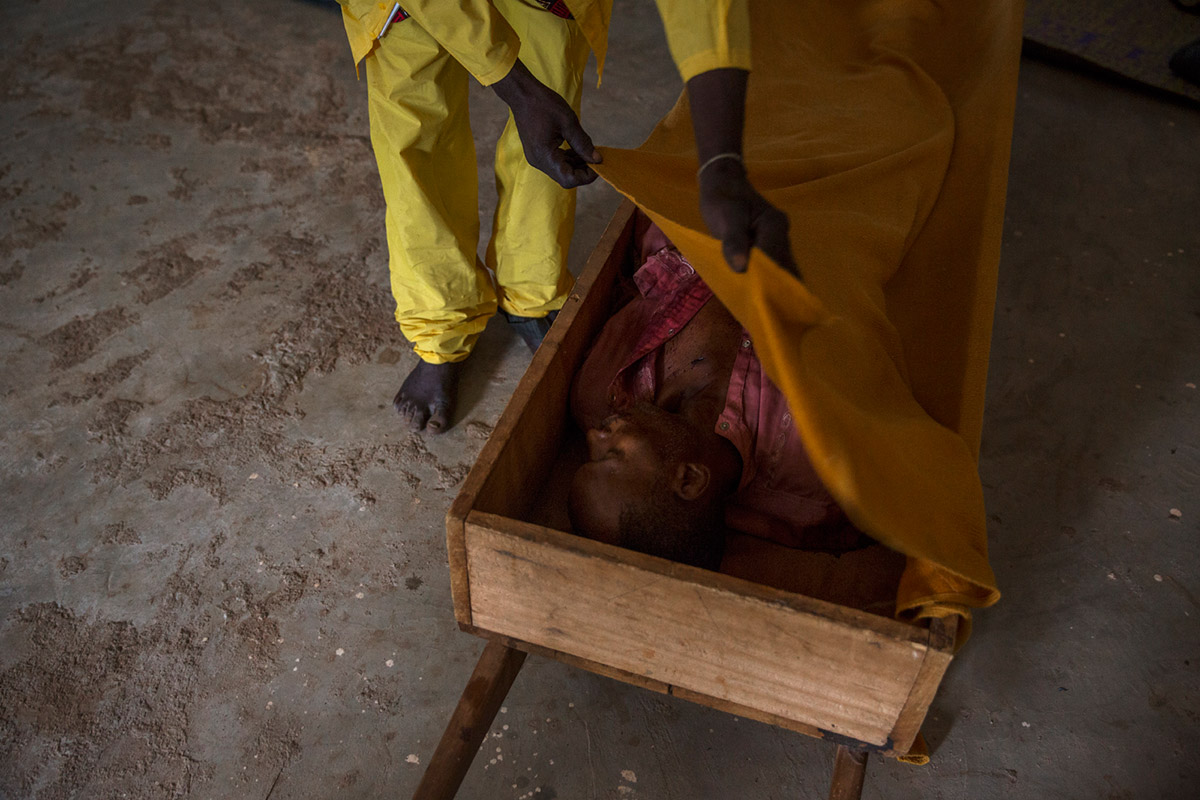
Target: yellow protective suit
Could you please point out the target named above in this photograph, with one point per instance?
(882, 128)
(702, 34)
(420, 131)
(417, 74)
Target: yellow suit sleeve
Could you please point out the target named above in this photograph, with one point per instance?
(708, 35)
(472, 31)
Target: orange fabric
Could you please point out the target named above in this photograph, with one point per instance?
(882, 127)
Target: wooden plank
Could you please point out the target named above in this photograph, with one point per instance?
(715, 703)
(642, 682)
(844, 672)
(481, 699)
(590, 549)
(512, 464)
(849, 772)
(929, 678)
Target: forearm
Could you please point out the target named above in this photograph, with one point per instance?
(718, 104)
(517, 86)
(733, 210)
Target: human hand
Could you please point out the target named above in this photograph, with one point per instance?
(544, 121)
(742, 218)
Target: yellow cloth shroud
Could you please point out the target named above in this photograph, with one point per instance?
(882, 128)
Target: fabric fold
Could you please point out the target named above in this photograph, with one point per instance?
(882, 128)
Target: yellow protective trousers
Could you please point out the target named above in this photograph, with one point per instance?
(421, 135)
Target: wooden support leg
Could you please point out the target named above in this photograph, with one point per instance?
(489, 685)
(849, 769)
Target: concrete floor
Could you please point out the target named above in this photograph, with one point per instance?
(222, 570)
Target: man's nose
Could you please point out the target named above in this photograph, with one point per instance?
(599, 436)
(614, 424)
(595, 438)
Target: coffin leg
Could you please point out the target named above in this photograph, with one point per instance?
(849, 769)
(489, 685)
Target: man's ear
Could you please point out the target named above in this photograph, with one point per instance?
(691, 480)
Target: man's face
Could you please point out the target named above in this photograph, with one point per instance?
(631, 458)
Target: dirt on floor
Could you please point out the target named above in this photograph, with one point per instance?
(222, 569)
(193, 240)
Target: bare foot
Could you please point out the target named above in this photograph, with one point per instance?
(426, 398)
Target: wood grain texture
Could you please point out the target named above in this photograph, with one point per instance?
(849, 772)
(642, 682)
(830, 668)
(512, 464)
(933, 667)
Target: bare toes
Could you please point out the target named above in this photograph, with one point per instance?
(426, 399)
(439, 420)
(413, 415)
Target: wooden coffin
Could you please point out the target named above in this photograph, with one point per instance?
(752, 650)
